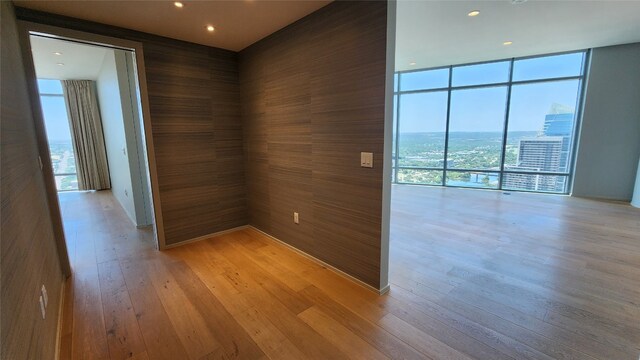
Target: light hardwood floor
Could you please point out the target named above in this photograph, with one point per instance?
(474, 274)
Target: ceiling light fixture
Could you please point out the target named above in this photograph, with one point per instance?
(473, 13)
(57, 53)
(178, 4)
(413, 63)
(507, 43)
(210, 28)
(60, 64)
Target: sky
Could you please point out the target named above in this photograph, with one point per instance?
(54, 110)
(483, 109)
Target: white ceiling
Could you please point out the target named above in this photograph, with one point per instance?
(429, 33)
(81, 61)
(439, 33)
(238, 23)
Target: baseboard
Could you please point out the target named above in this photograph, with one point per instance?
(322, 263)
(204, 237)
(60, 318)
(385, 289)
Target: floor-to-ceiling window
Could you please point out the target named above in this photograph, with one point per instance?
(508, 124)
(59, 134)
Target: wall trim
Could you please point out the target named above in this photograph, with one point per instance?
(385, 289)
(387, 164)
(204, 237)
(322, 263)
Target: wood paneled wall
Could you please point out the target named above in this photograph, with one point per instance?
(29, 255)
(197, 131)
(313, 99)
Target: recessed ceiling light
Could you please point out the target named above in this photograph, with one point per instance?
(474, 13)
(210, 28)
(507, 43)
(57, 53)
(517, 2)
(178, 4)
(412, 63)
(60, 64)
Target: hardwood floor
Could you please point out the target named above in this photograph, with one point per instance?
(475, 275)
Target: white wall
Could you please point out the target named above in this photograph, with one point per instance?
(113, 127)
(609, 144)
(118, 121)
(132, 114)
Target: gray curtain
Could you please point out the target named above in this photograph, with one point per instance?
(86, 129)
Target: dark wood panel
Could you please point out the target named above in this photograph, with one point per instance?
(197, 131)
(29, 255)
(313, 100)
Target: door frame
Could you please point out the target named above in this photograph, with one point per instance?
(26, 29)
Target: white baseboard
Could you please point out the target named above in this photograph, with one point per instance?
(385, 289)
(204, 237)
(322, 263)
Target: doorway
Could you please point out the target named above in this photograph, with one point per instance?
(112, 73)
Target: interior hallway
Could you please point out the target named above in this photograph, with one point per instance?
(475, 274)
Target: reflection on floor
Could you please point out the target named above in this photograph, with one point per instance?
(474, 274)
(528, 275)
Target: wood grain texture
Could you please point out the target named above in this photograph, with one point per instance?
(313, 99)
(532, 276)
(531, 286)
(197, 130)
(28, 249)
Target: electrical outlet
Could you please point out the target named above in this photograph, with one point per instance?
(366, 159)
(296, 219)
(43, 311)
(43, 291)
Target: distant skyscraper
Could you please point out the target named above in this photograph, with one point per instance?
(559, 122)
(548, 152)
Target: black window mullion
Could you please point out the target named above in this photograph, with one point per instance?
(506, 126)
(446, 136)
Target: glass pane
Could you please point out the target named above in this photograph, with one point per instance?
(487, 73)
(62, 157)
(548, 67)
(541, 126)
(422, 80)
(474, 179)
(60, 145)
(49, 86)
(422, 127)
(476, 128)
(534, 182)
(414, 176)
(66, 182)
(395, 131)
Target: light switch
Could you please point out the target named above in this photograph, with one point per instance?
(366, 159)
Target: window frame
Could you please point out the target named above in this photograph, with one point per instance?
(397, 93)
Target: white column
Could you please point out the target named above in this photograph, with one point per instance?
(636, 191)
